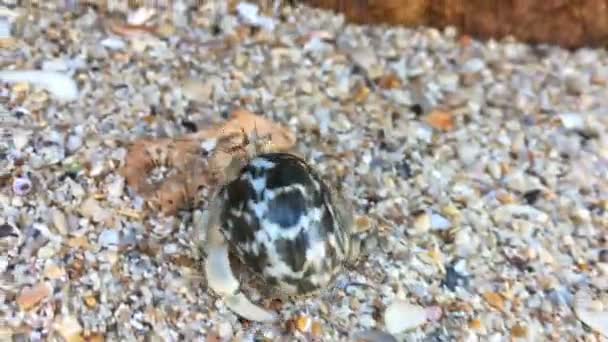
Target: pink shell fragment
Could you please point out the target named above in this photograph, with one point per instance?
(22, 186)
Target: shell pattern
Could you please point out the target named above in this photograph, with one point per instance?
(283, 222)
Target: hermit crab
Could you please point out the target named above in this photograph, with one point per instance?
(283, 222)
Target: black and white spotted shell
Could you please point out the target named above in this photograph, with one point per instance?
(283, 223)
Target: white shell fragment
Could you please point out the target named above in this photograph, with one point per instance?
(596, 319)
(60, 86)
(5, 28)
(249, 13)
(60, 221)
(114, 43)
(401, 316)
(506, 212)
(109, 237)
(439, 222)
(572, 121)
(140, 16)
(364, 57)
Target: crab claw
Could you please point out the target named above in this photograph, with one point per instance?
(221, 280)
(246, 309)
(219, 275)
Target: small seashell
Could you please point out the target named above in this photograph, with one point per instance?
(5, 28)
(519, 331)
(401, 316)
(165, 30)
(20, 140)
(454, 277)
(451, 211)
(92, 209)
(140, 16)
(98, 167)
(576, 83)
(434, 313)
(78, 242)
(52, 271)
(249, 14)
(508, 211)
(225, 330)
(572, 121)
(48, 154)
(111, 257)
(69, 328)
(109, 238)
(448, 81)
(316, 329)
(468, 152)
(439, 222)
(365, 58)
(197, 91)
(440, 120)
(30, 297)
(473, 65)
(47, 252)
(494, 170)
(389, 81)
(545, 256)
(116, 187)
(22, 186)
(477, 325)
(303, 323)
(495, 300)
(581, 215)
(363, 224)
(60, 222)
(597, 320)
(90, 301)
(59, 85)
(8, 43)
(361, 94)
(374, 336)
(56, 64)
(20, 87)
(74, 143)
(114, 43)
(422, 223)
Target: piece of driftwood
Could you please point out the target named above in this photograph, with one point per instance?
(567, 23)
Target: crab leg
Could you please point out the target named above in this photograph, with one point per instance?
(221, 280)
(217, 268)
